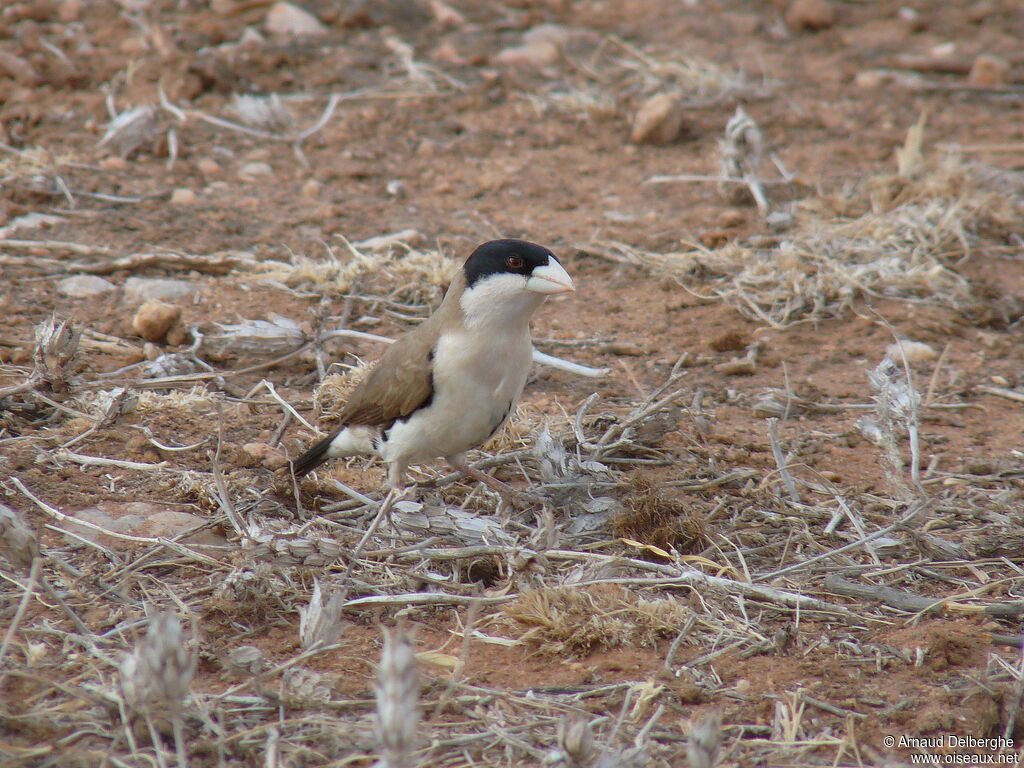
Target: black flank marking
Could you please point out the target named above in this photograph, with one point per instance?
(500, 421)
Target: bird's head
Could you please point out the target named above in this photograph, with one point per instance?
(519, 265)
(508, 279)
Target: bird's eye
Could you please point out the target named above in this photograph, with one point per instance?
(514, 262)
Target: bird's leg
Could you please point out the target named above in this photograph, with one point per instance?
(396, 482)
(508, 494)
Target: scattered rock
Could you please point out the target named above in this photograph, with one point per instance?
(311, 189)
(445, 15)
(266, 454)
(810, 15)
(139, 518)
(70, 10)
(125, 523)
(154, 319)
(82, 286)
(183, 196)
(208, 167)
(114, 163)
(989, 70)
(730, 219)
(141, 289)
(625, 348)
(254, 171)
(554, 34)
(169, 523)
(914, 351)
(288, 20)
(538, 56)
(658, 121)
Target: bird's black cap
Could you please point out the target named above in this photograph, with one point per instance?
(517, 257)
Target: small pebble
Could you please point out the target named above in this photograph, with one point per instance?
(290, 20)
(730, 219)
(810, 15)
(538, 55)
(114, 164)
(989, 70)
(82, 286)
(140, 289)
(183, 196)
(658, 121)
(208, 167)
(154, 319)
(914, 351)
(253, 171)
(311, 189)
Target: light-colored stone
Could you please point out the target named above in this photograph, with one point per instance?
(913, 351)
(208, 166)
(138, 518)
(114, 163)
(311, 189)
(989, 70)
(141, 289)
(445, 15)
(555, 34)
(154, 319)
(266, 454)
(810, 15)
(256, 170)
(82, 286)
(542, 54)
(183, 196)
(70, 10)
(290, 20)
(658, 121)
(168, 523)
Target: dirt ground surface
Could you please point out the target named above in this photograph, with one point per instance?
(761, 544)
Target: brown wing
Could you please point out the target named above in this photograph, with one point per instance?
(401, 382)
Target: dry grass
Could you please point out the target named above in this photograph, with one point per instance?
(400, 271)
(895, 236)
(571, 621)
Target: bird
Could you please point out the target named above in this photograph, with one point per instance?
(451, 383)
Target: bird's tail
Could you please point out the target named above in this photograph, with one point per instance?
(312, 458)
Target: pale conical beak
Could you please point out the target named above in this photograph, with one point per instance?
(550, 279)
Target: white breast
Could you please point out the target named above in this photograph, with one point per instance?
(478, 378)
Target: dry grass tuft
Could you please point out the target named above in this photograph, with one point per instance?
(559, 621)
(893, 237)
(156, 676)
(18, 542)
(651, 516)
(331, 395)
(399, 270)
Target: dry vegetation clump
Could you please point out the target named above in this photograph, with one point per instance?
(615, 74)
(898, 236)
(652, 516)
(397, 270)
(567, 620)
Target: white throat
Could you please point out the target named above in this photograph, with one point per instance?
(499, 302)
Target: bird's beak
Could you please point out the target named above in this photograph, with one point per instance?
(551, 278)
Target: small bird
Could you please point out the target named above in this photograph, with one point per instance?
(451, 383)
